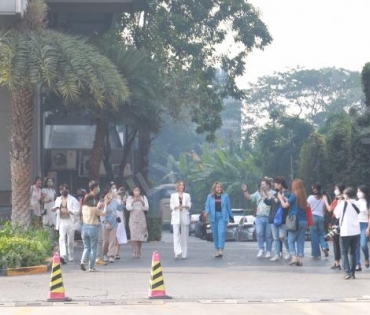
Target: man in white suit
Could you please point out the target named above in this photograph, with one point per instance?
(180, 204)
(66, 207)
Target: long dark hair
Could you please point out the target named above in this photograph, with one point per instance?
(365, 190)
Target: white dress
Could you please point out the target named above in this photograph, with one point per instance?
(50, 217)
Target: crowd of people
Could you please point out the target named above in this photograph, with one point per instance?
(282, 219)
(99, 216)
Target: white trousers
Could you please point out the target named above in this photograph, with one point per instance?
(66, 238)
(180, 239)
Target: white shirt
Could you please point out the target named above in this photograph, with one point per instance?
(349, 226)
(363, 216)
(317, 205)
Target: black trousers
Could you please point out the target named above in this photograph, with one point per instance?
(336, 246)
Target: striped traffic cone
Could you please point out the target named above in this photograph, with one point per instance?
(57, 293)
(157, 289)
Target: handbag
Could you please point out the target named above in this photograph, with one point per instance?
(309, 216)
(291, 223)
(278, 219)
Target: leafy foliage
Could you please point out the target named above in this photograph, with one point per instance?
(313, 165)
(308, 94)
(182, 35)
(19, 248)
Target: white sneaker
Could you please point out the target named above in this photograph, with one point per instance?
(268, 255)
(287, 257)
(260, 253)
(275, 258)
(106, 258)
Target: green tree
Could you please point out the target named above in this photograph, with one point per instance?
(183, 36)
(278, 146)
(313, 164)
(309, 94)
(32, 57)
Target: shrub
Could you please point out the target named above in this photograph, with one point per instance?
(20, 248)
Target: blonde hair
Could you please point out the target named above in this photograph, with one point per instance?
(300, 192)
(178, 185)
(214, 187)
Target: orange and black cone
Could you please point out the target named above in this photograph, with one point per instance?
(157, 289)
(57, 293)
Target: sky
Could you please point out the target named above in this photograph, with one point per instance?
(311, 34)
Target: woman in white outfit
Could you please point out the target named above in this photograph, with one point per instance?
(48, 216)
(180, 205)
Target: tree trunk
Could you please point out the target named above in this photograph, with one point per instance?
(127, 148)
(20, 155)
(97, 152)
(106, 157)
(145, 143)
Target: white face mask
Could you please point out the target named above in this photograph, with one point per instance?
(360, 195)
(337, 192)
(114, 190)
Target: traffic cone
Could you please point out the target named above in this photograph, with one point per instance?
(57, 293)
(157, 289)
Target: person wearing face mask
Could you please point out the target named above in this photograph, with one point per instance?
(49, 217)
(338, 192)
(66, 207)
(363, 217)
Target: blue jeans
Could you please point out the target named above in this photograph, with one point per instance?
(362, 244)
(263, 230)
(348, 245)
(219, 231)
(279, 236)
(90, 240)
(317, 232)
(297, 237)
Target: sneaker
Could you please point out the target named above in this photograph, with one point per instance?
(106, 258)
(268, 255)
(118, 257)
(111, 259)
(326, 252)
(70, 259)
(63, 260)
(260, 253)
(275, 258)
(83, 267)
(287, 257)
(100, 262)
(93, 270)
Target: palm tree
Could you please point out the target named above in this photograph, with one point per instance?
(31, 58)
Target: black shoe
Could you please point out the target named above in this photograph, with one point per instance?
(83, 267)
(63, 261)
(336, 267)
(358, 268)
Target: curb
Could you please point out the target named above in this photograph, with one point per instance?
(25, 271)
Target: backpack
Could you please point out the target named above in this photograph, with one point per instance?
(278, 219)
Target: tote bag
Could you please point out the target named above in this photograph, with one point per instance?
(291, 223)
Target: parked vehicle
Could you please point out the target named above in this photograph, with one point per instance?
(200, 227)
(231, 227)
(194, 218)
(246, 230)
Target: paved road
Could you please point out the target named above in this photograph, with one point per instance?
(237, 281)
